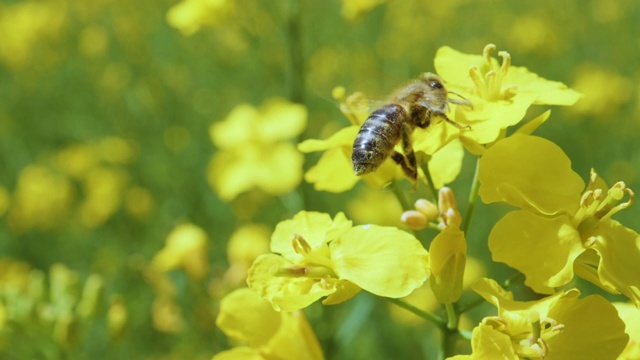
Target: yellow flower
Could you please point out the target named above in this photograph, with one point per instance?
(500, 93)
(41, 199)
(103, 189)
(560, 229)
(245, 245)
(189, 16)
(263, 332)
(185, 248)
(605, 91)
(254, 151)
(561, 326)
(317, 256)
(24, 24)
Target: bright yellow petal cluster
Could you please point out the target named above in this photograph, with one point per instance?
(186, 248)
(554, 327)
(317, 256)
(25, 23)
(254, 151)
(42, 199)
(189, 16)
(560, 229)
(500, 93)
(263, 332)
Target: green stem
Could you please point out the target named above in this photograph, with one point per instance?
(473, 196)
(432, 188)
(395, 187)
(452, 317)
(298, 199)
(434, 319)
(450, 333)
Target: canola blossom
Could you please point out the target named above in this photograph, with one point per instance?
(315, 256)
(254, 149)
(550, 328)
(172, 171)
(500, 93)
(264, 333)
(565, 228)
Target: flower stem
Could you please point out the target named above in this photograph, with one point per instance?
(432, 188)
(473, 195)
(450, 333)
(434, 319)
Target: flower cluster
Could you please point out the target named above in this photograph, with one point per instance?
(561, 228)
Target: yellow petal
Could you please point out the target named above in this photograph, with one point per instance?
(286, 293)
(232, 172)
(343, 138)
(631, 317)
(531, 126)
(345, 291)
(281, 120)
(239, 353)
(280, 169)
(488, 343)
(600, 337)
(246, 317)
(619, 249)
(445, 165)
(543, 249)
(294, 340)
(314, 227)
(332, 173)
(185, 248)
(382, 260)
(531, 173)
(236, 129)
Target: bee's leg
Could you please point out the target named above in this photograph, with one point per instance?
(408, 160)
(446, 118)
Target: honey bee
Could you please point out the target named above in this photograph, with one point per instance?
(416, 104)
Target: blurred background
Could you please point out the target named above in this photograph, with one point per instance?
(114, 237)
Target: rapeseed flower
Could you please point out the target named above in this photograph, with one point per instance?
(316, 256)
(500, 93)
(186, 248)
(562, 228)
(189, 16)
(262, 332)
(551, 328)
(254, 149)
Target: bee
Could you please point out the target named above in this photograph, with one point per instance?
(416, 104)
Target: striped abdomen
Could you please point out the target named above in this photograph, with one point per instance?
(377, 137)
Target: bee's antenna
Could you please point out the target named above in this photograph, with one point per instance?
(464, 100)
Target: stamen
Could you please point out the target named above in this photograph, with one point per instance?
(586, 198)
(506, 62)
(493, 85)
(486, 52)
(300, 245)
(590, 241)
